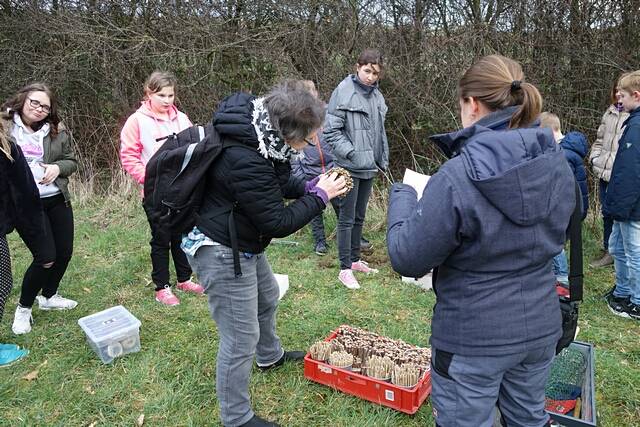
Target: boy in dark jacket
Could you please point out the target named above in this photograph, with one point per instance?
(574, 146)
(622, 203)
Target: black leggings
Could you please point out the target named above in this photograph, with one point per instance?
(161, 245)
(55, 246)
(6, 280)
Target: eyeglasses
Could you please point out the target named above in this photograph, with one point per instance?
(35, 104)
(310, 141)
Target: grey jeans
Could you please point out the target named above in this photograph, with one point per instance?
(244, 309)
(467, 388)
(353, 209)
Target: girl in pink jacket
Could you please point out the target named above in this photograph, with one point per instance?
(141, 136)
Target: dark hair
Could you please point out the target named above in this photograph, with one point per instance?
(613, 98)
(371, 56)
(498, 82)
(15, 104)
(293, 110)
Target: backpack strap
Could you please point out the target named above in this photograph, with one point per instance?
(575, 248)
(231, 223)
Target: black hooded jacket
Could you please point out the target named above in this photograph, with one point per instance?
(255, 186)
(20, 205)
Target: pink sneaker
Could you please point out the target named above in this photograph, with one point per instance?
(190, 286)
(363, 267)
(166, 297)
(348, 279)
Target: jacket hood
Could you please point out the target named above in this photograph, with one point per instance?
(145, 108)
(233, 119)
(350, 93)
(575, 141)
(516, 170)
(245, 118)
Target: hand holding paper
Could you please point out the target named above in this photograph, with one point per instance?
(416, 180)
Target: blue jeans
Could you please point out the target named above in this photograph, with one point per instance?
(607, 221)
(624, 247)
(467, 388)
(561, 268)
(244, 309)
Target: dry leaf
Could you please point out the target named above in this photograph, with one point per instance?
(87, 290)
(31, 376)
(140, 420)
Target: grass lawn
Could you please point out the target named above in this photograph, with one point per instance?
(172, 379)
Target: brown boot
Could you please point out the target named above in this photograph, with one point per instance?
(606, 259)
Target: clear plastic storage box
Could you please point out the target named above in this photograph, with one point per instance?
(112, 333)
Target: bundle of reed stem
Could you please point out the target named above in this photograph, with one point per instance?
(341, 359)
(406, 375)
(320, 350)
(379, 367)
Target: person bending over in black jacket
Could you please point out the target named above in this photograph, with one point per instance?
(20, 208)
(243, 209)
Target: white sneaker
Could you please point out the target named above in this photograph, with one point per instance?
(56, 302)
(22, 321)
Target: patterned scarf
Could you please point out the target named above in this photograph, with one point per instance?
(270, 144)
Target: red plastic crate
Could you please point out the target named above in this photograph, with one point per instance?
(381, 392)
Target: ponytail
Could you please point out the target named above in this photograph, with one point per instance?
(498, 82)
(529, 109)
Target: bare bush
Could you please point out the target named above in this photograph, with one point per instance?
(96, 54)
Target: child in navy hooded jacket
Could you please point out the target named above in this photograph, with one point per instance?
(622, 203)
(574, 146)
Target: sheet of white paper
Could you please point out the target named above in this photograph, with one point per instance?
(283, 283)
(416, 180)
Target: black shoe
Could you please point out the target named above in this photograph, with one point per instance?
(619, 306)
(256, 421)
(320, 248)
(609, 293)
(365, 245)
(633, 310)
(295, 356)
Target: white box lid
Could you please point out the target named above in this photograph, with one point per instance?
(108, 323)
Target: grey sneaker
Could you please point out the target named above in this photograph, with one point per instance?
(56, 302)
(365, 246)
(320, 248)
(606, 259)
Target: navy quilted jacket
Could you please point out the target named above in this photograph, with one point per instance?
(623, 192)
(575, 148)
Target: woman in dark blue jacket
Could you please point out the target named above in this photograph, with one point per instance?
(491, 219)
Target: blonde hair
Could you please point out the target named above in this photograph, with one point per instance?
(157, 81)
(550, 120)
(630, 82)
(5, 145)
(498, 82)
